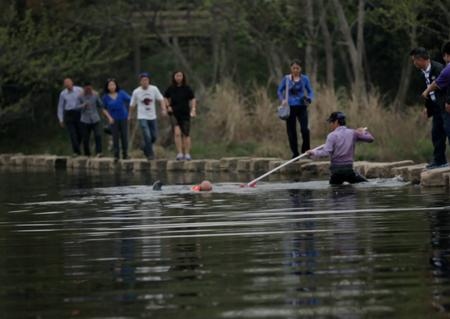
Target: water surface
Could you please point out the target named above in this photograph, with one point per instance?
(108, 246)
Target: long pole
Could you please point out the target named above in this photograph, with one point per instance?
(253, 182)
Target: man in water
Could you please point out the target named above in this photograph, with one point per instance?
(340, 146)
(204, 186)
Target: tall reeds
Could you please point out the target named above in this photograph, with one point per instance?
(230, 116)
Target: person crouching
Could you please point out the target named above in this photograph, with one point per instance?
(340, 146)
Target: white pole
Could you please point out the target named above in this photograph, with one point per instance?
(253, 182)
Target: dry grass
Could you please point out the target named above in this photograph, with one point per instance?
(230, 117)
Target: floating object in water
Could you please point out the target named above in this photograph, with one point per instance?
(157, 185)
(204, 186)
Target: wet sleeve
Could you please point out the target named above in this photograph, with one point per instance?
(443, 80)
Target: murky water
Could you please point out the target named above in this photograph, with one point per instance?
(77, 246)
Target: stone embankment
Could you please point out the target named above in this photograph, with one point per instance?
(303, 169)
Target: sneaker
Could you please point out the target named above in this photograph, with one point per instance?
(99, 155)
(180, 157)
(187, 157)
(125, 157)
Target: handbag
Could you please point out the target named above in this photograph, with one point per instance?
(284, 111)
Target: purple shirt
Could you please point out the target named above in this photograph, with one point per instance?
(443, 80)
(340, 145)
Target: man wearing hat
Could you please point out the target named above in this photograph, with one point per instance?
(340, 146)
(144, 98)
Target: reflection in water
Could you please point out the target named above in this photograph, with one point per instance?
(109, 247)
(440, 258)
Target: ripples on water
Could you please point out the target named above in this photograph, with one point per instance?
(111, 247)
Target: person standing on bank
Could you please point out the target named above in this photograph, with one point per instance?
(144, 98)
(429, 71)
(442, 83)
(89, 102)
(69, 113)
(340, 146)
(181, 105)
(116, 103)
(296, 83)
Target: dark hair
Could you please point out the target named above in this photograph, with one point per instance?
(446, 48)
(337, 116)
(174, 83)
(87, 83)
(295, 61)
(105, 89)
(420, 52)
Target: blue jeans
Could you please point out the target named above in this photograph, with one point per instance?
(440, 133)
(149, 131)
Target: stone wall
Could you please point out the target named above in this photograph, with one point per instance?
(304, 169)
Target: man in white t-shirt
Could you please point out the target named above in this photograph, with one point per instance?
(144, 98)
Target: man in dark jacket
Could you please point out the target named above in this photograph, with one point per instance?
(429, 71)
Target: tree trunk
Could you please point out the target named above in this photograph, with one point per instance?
(310, 61)
(355, 51)
(136, 53)
(328, 46)
(405, 77)
(215, 57)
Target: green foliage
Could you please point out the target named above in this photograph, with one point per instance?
(37, 53)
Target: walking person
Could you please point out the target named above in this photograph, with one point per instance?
(296, 84)
(116, 103)
(69, 113)
(90, 105)
(340, 146)
(442, 83)
(144, 99)
(181, 105)
(429, 71)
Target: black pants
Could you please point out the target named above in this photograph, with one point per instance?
(73, 125)
(345, 173)
(87, 129)
(299, 113)
(120, 131)
(440, 132)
